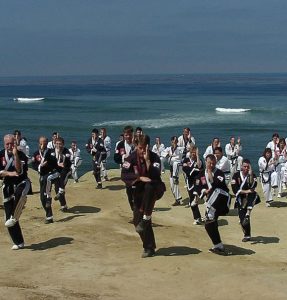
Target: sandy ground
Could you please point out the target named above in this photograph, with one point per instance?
(93, 252)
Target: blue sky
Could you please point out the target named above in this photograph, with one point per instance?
(71, 37)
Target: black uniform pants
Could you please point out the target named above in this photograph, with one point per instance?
(143, 198)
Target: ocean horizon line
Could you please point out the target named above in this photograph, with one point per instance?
(140, 74)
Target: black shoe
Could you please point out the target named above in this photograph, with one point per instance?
(57, 197)
(148, 253)
(176, 203)
(64, 209)
(246, 221)
(99, 186)
(246, 239)
(218, 251)
(49, 221)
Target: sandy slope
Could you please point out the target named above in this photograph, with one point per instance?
(93, 252)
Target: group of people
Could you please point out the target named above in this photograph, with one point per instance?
(54, 163)
(141, 166)
(208, 178)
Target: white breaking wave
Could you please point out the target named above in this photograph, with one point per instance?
(176, 120)
(231, 110)
(28, 99)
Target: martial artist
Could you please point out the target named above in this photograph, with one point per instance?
(16, 185)
(232, 151)
(76, 160)
(191, 166)
(210, 184)
(222, 163)
(108, 145)
(210, 149)
(159, 148)
(185, 141)
(173, 155)
(281, 170)
(269, 179)
(243, 185)
(95, 147)
(273, 144)
(142, 171)
(46, 165)
(52, 143)
(63, 157)
(123, 149)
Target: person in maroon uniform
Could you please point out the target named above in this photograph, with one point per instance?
(142, 170)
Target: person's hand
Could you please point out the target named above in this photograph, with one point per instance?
(146, 155)
(15, 150)
(145, 179)
(43, 163)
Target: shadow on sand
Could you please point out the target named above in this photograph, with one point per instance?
(69, 218)
(81, 209)
(115, 187)
(264, 240)
(161, 209)
(177, 251)
(278, 204)
(222, 222)
(235, 250)
(53, 243)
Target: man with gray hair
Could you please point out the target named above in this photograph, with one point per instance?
(16, 185)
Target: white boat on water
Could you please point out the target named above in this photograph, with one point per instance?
(28, 99)
(231, 110)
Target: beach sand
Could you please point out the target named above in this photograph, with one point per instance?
(93, 252)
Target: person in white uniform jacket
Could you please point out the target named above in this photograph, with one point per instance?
(186, 140)
(281, 168)
(108, 145)
(269, 179)
(222, 163)
(76, 160)
(273, 144)
(173, 155)
(159, 148)
(210, 149)
(232, 152)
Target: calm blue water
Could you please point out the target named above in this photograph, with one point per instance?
(161, 104)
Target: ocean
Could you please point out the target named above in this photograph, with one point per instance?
(161, 104)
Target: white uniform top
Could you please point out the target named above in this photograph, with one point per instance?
(51, 145)
(158, 150)
(272, 146)
(74, 155)
(108, 145)
(265, 169)
(24, 147)
(232, 151)
(181, 142)
(173, 155)
(223, 164)
(209, 150)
